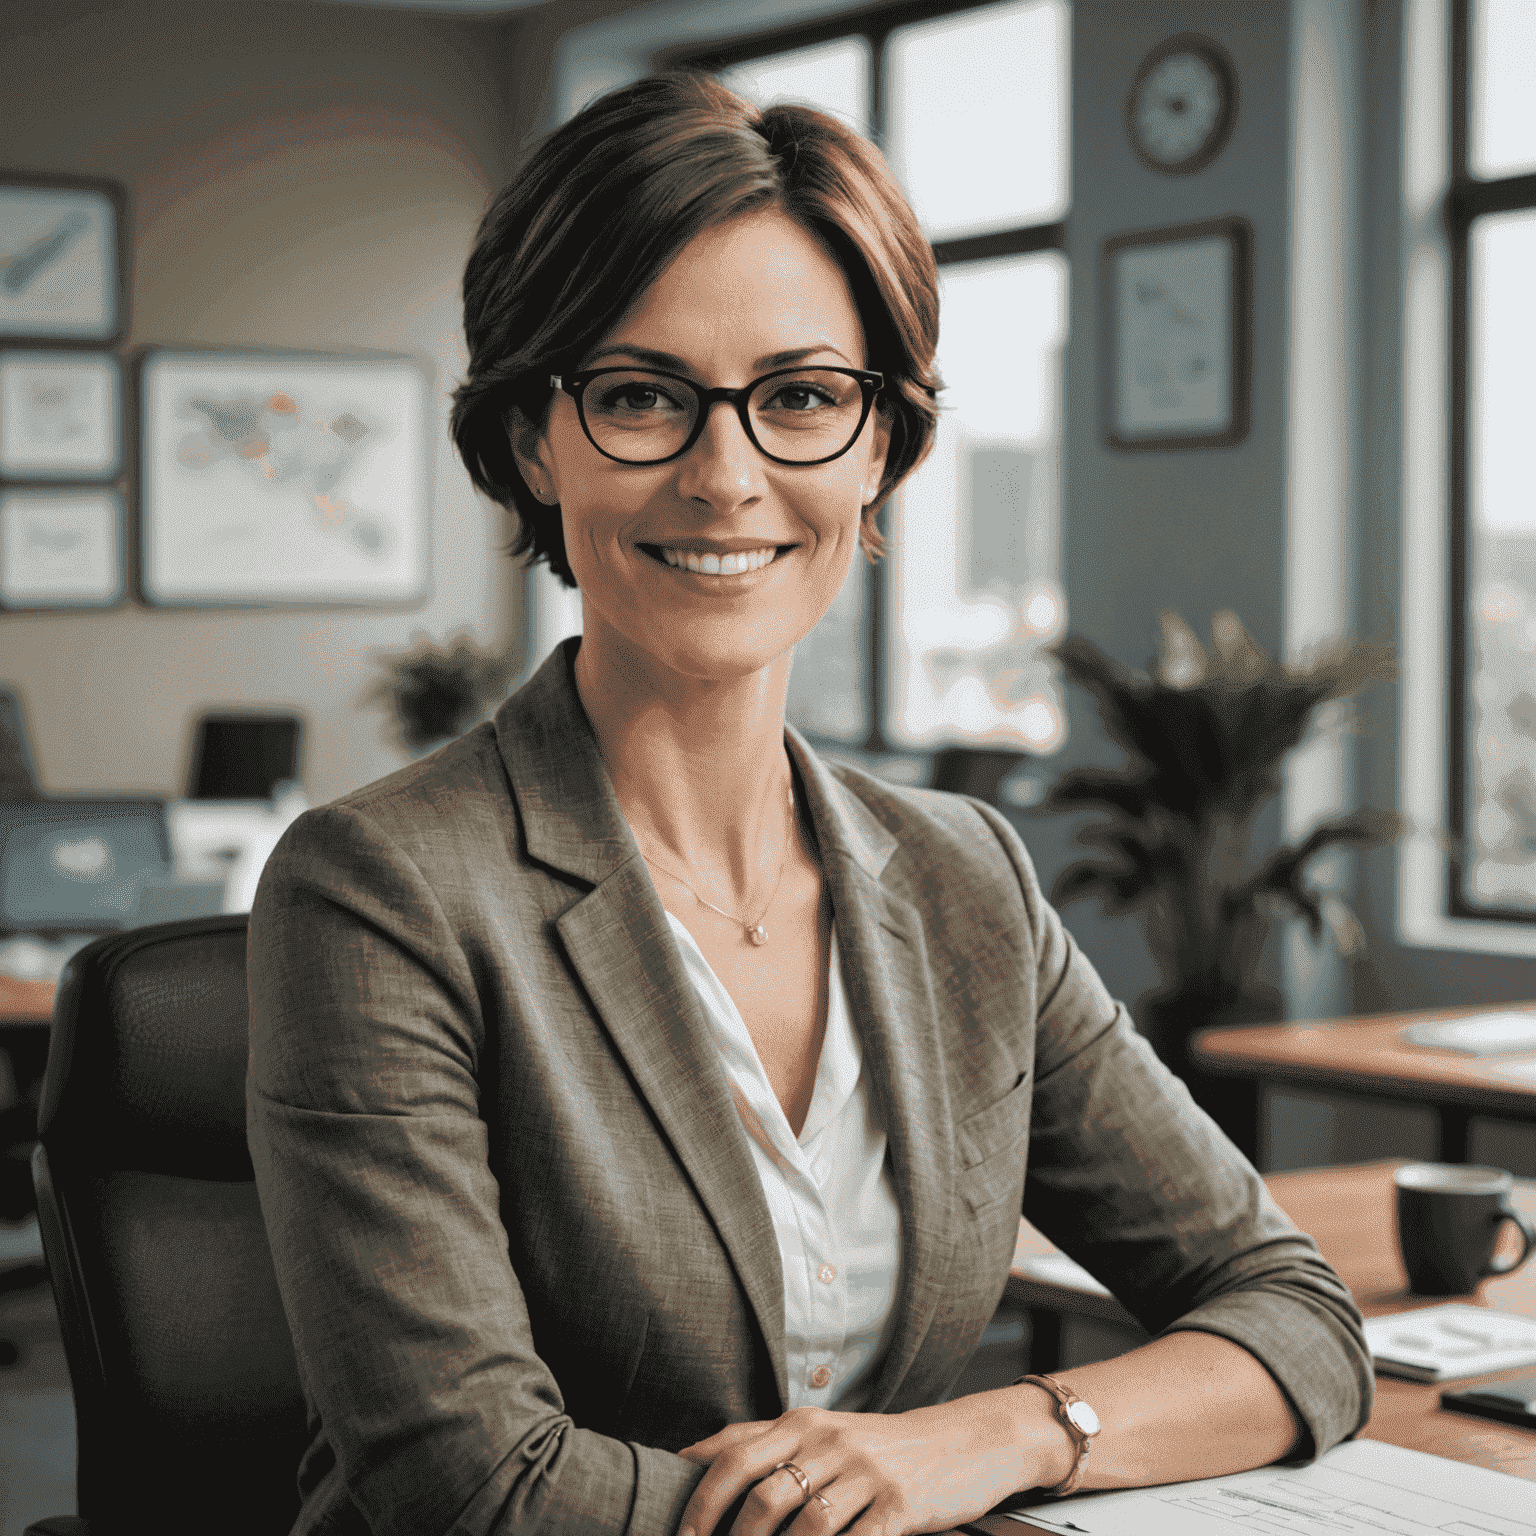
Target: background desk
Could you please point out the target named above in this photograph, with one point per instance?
(1367, 1056)
(1350, 1212)
(26, 1009)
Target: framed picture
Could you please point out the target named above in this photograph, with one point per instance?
(271, 477)
(62, 266)
(61, 548)
(1178, 308)
(61, 416)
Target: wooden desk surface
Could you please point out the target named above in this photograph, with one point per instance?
(25, 1002)
(1350, 1212)
(1367, 1055)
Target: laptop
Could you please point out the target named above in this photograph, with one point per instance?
(76, 865)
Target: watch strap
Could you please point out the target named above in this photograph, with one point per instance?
(1065, 1397)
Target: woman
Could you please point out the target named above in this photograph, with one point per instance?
(642, 1108)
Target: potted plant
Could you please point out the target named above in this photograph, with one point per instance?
(1207, 733)
(437, 692)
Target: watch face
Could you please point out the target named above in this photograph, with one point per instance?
(1180, 109)
(1083, 1418)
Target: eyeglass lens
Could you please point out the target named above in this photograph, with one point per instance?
(641, 417)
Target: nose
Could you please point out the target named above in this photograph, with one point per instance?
(722, 470)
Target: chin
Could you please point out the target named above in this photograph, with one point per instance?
(715, 651)
(729, 663)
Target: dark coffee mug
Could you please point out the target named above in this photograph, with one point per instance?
(1448, 1220)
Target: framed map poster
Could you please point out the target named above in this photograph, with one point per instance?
(62, 267)
(282, 478)
(1178, 327)
(61, 548)
(61, 416)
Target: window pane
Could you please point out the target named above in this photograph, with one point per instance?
(1503, 139)
(976, 533)
(978, 117)
(1500, 867)
(833, 76)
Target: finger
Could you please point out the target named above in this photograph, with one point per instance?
(704, 1452)
(733, 1470)
(833, 1507)
(770, 1502)
(880, 1518)
(722, 1439)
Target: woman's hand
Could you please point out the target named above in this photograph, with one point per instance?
(876, 1474)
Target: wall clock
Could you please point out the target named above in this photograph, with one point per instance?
(1182, 105)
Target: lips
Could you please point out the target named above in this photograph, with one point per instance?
(709, 563)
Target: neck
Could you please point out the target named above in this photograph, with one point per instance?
(698, 765)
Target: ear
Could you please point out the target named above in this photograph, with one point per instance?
(530, 447)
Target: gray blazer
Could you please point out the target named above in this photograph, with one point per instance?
(515, 1220)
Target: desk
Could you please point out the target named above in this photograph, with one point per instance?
(1367, 1056)
(25, 1002)
(1350, 1212)
(26, 1011)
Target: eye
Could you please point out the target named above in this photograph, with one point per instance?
(799, 395)
(638, 397)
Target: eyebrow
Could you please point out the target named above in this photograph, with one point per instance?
(673, 364)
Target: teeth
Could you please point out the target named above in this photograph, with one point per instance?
(710, 564)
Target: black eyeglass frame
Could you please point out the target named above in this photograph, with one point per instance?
(573, 384)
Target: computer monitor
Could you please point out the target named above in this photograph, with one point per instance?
(77, 865)
(243, 757)
(18, 776)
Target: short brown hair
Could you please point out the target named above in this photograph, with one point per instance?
(606, 201)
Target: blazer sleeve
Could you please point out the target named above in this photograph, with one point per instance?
(410, 1328)
(1136, 1182)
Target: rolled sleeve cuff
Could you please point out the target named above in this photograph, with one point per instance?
(605, 1488)
(1320, 1363)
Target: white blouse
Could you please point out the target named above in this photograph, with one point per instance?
(829, 1193)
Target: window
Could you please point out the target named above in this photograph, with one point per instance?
(943, 642)
(1491, 225)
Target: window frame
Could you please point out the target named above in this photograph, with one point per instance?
(1468, 198)
(875, 24)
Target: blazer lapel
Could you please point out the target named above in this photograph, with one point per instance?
(885, 967)
(621, 946)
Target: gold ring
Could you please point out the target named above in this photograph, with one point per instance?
(798, 1475)
(825, 1503)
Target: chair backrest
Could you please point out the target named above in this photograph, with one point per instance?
(243, 757)
(187, 1397)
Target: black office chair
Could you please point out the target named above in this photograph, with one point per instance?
(187, 1399)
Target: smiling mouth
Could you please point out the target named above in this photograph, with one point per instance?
(708, 563)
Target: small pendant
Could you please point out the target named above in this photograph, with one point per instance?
(758, 935)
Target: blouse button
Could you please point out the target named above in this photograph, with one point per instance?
(821, 1376)
(826, 1274)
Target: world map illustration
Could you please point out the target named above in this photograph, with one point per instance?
(283, 449)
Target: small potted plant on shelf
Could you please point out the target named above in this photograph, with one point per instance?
(437, 692)
(1207, 733)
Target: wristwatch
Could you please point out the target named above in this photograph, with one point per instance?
(1081, 1421)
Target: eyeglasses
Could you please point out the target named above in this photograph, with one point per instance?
(792, 416)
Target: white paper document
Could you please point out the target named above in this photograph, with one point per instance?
(1445, 1342)
(1360, 1489)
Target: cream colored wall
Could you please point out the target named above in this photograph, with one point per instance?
(300, 175)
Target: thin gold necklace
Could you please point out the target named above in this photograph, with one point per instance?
(755, 933)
